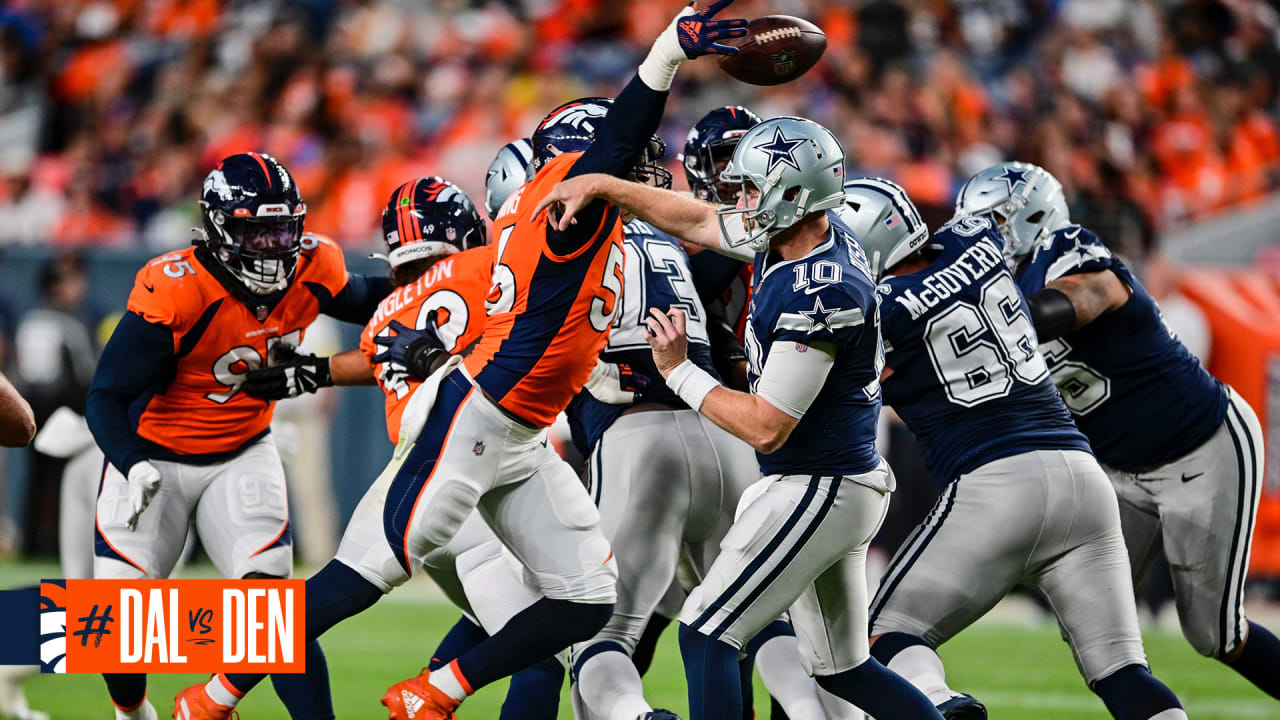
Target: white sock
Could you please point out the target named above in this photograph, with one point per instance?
(449, 680)
(610, 687)
(220, 691)
(922, 667)
(1170, 714)
(784, 676)
(145, 711)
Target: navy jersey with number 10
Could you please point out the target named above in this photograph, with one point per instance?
(965, 375)
(1136, 392)
(825, 297)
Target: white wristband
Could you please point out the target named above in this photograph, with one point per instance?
(664, 58)
(691, 383)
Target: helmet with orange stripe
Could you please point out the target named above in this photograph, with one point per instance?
(252, 216)
(572, 128)
(429, 218)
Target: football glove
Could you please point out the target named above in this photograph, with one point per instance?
(414, 350)
(143, 481)
(289, 375)
(691, 34)
(615, 383)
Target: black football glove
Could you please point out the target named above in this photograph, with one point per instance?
(415, 350)
(289, 376)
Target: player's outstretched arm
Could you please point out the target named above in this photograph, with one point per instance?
(359, 298)
(674, 213)
(765, 419)
(17, 422)
(351, 368)
(1073, 301)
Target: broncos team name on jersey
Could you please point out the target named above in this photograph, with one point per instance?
(825, 297)
(455, 288)
(657, 276)
(1136, 392)
(549, 314)
(217, 339)
(964, 374)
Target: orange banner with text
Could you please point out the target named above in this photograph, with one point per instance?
(173, 626)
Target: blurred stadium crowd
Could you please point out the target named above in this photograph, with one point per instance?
(1152, 112)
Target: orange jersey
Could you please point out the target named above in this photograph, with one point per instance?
(217, 339)
(549, 314)
(455, 288)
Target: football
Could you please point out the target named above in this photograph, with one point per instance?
(775, 50)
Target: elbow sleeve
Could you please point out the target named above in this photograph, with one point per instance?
(1052, 314)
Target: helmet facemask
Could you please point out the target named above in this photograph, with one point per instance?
(260, 252)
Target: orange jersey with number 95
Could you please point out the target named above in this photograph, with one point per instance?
(549, 314)
(455, 288)
(217, 339)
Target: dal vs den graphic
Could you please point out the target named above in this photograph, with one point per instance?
(171, 626)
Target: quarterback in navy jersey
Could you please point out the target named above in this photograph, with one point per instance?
(814, 356)
(1184, 451)
(1024, 500)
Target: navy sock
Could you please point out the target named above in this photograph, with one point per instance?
(1133, 693)
(334, 594)
(127, 690)
(746, 666)
(463, 636)
(539, 631)
(892, 643)
(534, 693)
(881, 692)
(1259, 660)
(777, 628)
(306, 695)
(642, 657)
(711, 670)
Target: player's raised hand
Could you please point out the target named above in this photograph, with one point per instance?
(668, 338)
(565, 200)
(143, 481)
(699, 34)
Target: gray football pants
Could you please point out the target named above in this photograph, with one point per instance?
(1047, 518)
(1199, 510)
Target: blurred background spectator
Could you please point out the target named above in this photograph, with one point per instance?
(1152, 112)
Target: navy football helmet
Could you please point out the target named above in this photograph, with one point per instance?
(710, 144)
(572, 128)
(429, 217)
(252, 216)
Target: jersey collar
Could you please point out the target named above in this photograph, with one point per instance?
(823, 247)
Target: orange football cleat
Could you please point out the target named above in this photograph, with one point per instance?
(417, 699)
(195, 704)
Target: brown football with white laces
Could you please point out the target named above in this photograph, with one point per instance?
(775, 50)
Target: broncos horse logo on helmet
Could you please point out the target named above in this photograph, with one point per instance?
(707, 150)
(572, 128)
(429, 217)
(252, 217)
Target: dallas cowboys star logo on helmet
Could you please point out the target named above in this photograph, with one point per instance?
(780, 150)
(1012, 176)
(819, 317)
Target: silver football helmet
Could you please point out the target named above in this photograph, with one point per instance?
(798, 168)
(884, 220)
(511, 168)
(1024, 200)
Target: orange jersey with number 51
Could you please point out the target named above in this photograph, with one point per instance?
(216, 340)
(455, 288)
(549, 314)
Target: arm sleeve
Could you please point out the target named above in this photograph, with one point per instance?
(792, 378)
(619, 142)
(1052, 314)
(137, 354)
(358, 299)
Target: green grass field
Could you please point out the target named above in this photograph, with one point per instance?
(1018, 672)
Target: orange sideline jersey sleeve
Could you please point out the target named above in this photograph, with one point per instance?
(217, 339)
(455, 288)
(549, 314)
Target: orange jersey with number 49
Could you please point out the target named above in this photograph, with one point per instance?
(455, 288)
(217, 339)
(549, 314)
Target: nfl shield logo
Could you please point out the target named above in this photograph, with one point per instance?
(262, 312)
(478, 450)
